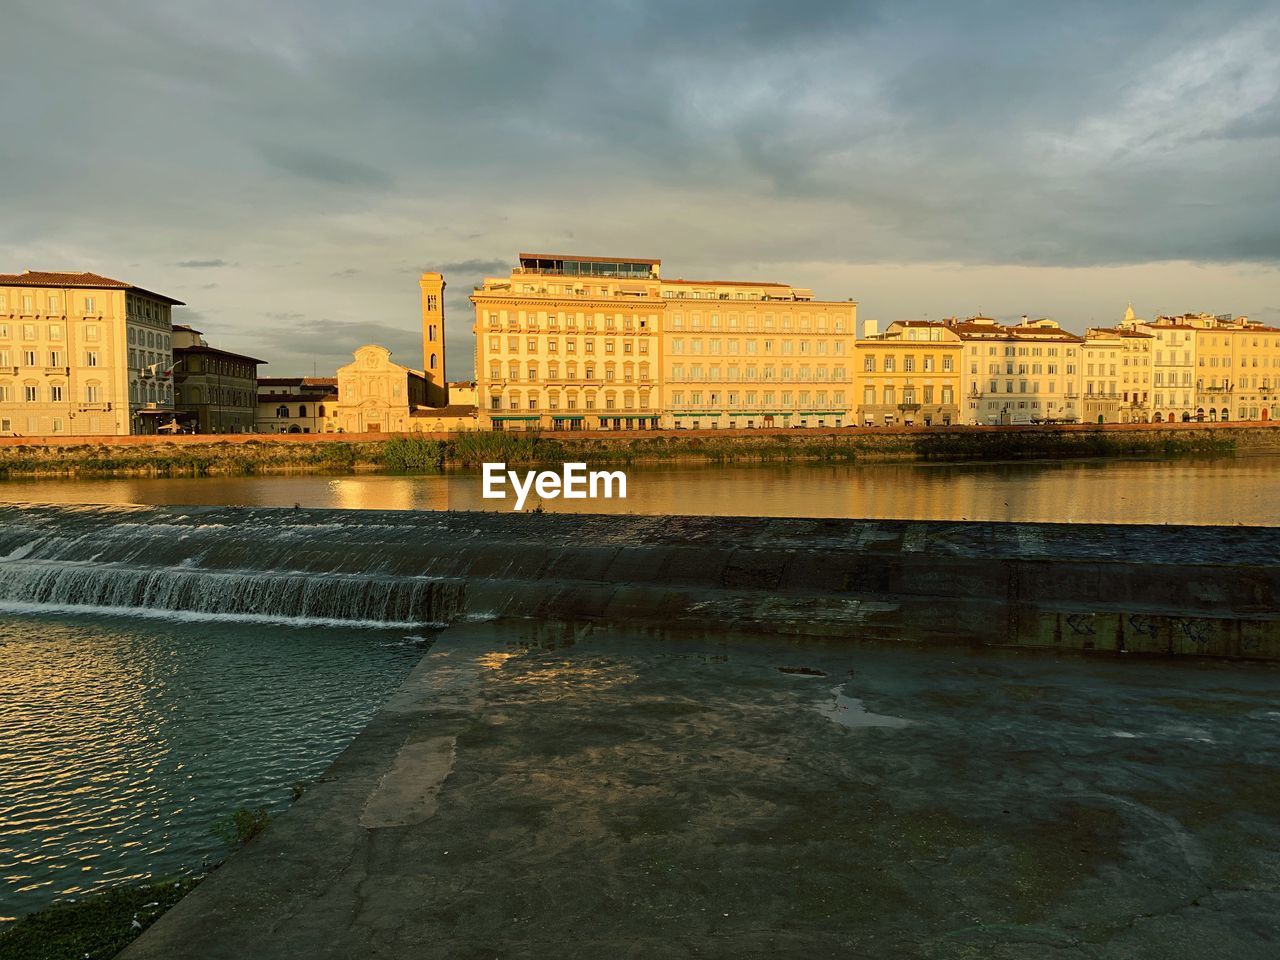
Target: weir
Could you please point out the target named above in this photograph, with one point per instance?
(1129, 589)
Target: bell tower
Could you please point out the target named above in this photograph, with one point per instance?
(432, 285)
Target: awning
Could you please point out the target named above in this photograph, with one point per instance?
(533, 417)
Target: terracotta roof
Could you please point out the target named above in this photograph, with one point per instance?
(316, 382)
(1117, 332)
(87, 281)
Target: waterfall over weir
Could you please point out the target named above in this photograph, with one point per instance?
(1211, 591)
(300, 598)
(206, 571)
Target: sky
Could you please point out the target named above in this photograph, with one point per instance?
(289, 169)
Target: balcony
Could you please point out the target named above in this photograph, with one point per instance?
(99, 406)
(57, 371)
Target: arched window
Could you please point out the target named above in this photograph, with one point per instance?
(302, 409)
(320, 410)
(434, 358)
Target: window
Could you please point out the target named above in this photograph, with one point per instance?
(55, 393)
(91, 358)
(30, 392)
(90, 305)
(92, 393)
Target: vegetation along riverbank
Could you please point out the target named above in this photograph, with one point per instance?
(346, 453)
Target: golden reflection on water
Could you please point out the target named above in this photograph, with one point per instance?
(123, 742)
(1218, 491)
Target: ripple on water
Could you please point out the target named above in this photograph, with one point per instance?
(123, 742)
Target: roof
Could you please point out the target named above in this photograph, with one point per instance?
(582, 259)
(87, 281)
(318, 383)
(453, 410)
(726, 283)
(1118, 332)
(205, 348)
(268, 398)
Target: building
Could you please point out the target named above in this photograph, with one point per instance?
(1213, 367)
(1173, 367)
(909, 375)
(215, 391)
(462, 393)
(376, 395)
(432, 286)
(1116, 374)
(83, 355)
(570, 342)
(455, 418)
(1025, 373)
(297, 404)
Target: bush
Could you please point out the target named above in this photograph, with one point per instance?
(413, 455)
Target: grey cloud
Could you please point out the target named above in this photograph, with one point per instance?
(332, 163)
(473, 267)
(323, 167)
(200, 264)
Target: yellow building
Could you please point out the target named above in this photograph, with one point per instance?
(1253, 391)
(1028, 372)
(297, 404)
(909, 375)
(1173, 367)
(83, 355)
(1235, 363)
(376, 395)
(432, 297)
(1116, 376)
(576, 342)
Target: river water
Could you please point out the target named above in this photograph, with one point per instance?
(123, 742)
(1233, 490)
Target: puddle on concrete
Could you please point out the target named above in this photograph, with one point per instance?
(849, 712)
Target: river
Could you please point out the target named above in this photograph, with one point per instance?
(1232, 490)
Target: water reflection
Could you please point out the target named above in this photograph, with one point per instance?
(123, 742)
(1227, 491)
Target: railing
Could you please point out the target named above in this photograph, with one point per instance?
(57, 371)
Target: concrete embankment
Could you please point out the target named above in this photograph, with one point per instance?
(1211, 591)
(346, 453)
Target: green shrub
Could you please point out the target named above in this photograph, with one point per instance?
(242, 826)
(412, 455)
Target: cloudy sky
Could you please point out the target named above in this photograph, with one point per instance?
(289, 168)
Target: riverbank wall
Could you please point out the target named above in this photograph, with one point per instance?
(1118, 589)
(247, 454)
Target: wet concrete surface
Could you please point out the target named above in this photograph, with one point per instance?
(599, 794)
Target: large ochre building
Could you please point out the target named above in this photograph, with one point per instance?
(577, 342)
(83, 355)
